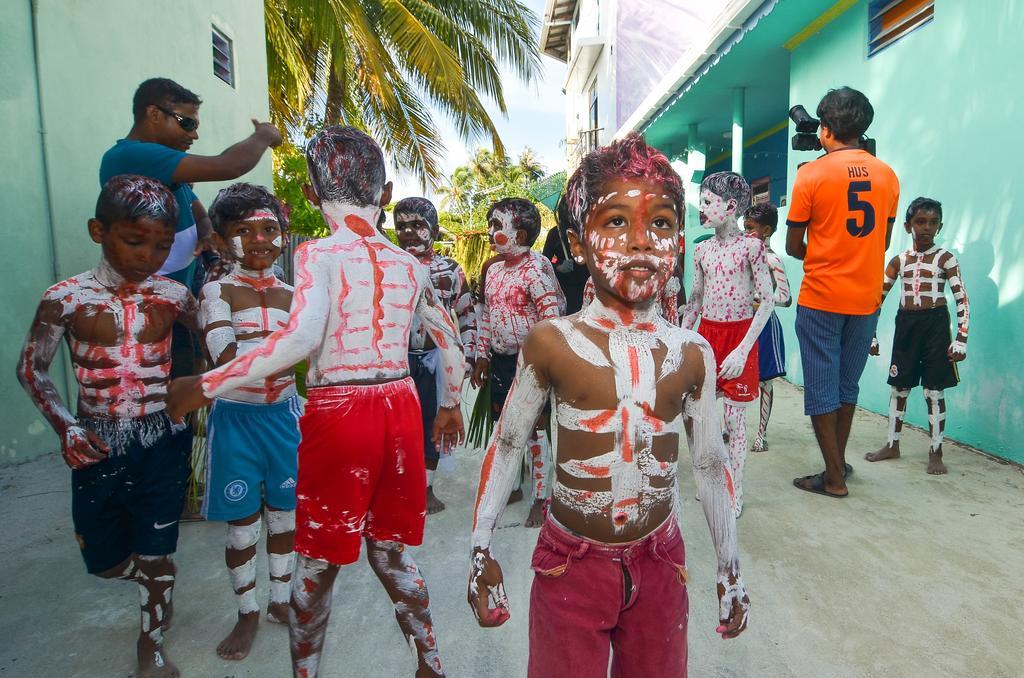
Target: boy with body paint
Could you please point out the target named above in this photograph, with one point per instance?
(361, 471)
(416, 227)
(609, 564)
(520, 290)
(253, 430)
(129, 463)
(729, 272)
(761, 221)
(922, 350)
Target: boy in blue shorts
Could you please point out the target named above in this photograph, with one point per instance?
(761, 221)
(252, 432)
(129, 463)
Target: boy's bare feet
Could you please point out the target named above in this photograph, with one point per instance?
(277, 613)
(887, 452)
(517, 495)
(238, 643)
(935, 465)
(434, 505)
(153, 661)
(536, 517)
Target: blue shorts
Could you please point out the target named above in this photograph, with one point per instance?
(833, 351)
(131, 501)
(426, 388)
(771, 350)
(250, 444)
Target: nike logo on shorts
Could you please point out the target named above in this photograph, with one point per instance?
(160, 526)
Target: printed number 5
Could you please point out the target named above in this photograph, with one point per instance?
(855, 204)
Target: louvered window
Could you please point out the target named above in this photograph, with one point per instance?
(223, 58)
(890, 20)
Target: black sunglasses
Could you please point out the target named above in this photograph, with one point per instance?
(186, 123)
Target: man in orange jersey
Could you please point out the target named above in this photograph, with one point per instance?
(845, 203)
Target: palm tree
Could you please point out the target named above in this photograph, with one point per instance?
(530, 166)
(381, 64)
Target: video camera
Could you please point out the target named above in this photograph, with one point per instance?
(806, 137)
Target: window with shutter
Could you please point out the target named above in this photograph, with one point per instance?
(223, 58)
(890, 20)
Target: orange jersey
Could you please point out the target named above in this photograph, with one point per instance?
(846, 200)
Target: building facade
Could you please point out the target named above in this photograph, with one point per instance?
(68, 71)
(935, 72)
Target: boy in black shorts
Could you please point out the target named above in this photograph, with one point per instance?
(922, 352)
(129, 462)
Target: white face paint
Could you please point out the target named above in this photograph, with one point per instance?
(236, 248)
(503, 234)
(714, 211)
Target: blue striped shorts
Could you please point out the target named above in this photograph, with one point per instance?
(833, 351)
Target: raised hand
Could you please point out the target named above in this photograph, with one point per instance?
(487, 589)
(81, 447)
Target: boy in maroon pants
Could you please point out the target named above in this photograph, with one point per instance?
(610, 574)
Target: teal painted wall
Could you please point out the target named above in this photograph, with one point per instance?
(947, 119)
(92, 57)
(27, 261)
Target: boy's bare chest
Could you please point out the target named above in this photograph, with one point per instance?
(108, 320)
(727, 261)
(605, 373)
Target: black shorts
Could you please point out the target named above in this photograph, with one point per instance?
(426, 388)
(131, 501)
(920, 348)
(503, 373)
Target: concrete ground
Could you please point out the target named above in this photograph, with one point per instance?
(912, 575)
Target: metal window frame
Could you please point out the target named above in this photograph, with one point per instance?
(879, 40)
(228, 55)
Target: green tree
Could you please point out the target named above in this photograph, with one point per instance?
(290, 173)
(382, 64)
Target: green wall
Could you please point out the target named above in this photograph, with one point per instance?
(92, 57)
(947, 119)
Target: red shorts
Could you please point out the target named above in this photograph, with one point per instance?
(361, 470)
(724, 336)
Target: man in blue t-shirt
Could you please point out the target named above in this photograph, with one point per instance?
(166, 124)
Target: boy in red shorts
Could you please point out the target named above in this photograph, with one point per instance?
(361, 467)
(729, 271)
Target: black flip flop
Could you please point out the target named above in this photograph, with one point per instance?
(817, 486)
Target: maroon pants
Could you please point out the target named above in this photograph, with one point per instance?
(589, 597)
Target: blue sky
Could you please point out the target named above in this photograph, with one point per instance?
(535, 118)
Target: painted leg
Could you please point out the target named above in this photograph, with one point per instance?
(540, 460)
(402, 580)
(155, 576)
(312, 584)
(897, 410)
(736, 425)
(240, 556)
(767, 396)
(434, 505)
(281, 556)
(937, 424)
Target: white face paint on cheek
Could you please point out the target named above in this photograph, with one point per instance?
(236, 247)
(276, 242)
